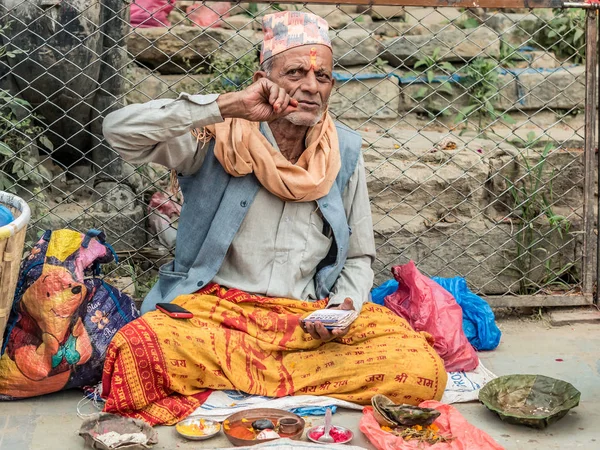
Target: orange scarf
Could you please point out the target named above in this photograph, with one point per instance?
(241, 149)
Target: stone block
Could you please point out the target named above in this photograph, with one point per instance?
(191, 84)
(563, 88)
(561, 176)
(335, 17)
(177, 17)
(350, 9)
(361, 22)
(420, 96)
(482, 251)
(240, 8)
(181, 48)
(392, 28)
(542, 60)
(537, 59)
(354, 47)
(124, 284)
(454, 44)
(383, 12)
(508, 94)
(436, 174)
(389, 28)
(562, 317)
(531, 89)
(144, 85)
(433, 99)
(365, 99)
(526, 89)
(515, 29)
(416, 15)
(119, 215)
(314, 8)
(242, 22)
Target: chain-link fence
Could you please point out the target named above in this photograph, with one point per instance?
(474, 126)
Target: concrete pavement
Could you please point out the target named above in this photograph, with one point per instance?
(571, 353)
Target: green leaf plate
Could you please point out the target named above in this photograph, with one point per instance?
(532, 400)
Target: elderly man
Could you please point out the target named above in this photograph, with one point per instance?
(275, 224)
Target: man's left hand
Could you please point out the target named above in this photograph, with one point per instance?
(318, 331)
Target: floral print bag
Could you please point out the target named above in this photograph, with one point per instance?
(63, 316)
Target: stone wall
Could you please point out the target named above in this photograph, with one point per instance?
(441, 195)
(538, 82)
(444, 201)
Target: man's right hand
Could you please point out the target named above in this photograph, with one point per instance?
(262, 101)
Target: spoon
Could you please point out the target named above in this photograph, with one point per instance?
(326, 436)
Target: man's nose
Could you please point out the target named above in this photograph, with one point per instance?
(309, 83)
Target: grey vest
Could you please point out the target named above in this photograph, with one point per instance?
(214, 207)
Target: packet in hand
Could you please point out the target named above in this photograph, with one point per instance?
(332, 318)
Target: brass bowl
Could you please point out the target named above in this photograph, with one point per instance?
(251, 415)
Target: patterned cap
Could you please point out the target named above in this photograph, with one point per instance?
(288, 29)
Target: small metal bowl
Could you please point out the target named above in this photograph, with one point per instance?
(289, 425)
(212, 428)
(321, 428)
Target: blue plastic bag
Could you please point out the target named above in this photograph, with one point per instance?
(479, 323)
(381, 292)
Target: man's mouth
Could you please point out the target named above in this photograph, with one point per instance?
(307, 104)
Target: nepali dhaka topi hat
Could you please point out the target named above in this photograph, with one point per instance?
(288, 29)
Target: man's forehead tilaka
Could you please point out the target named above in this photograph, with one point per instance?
(313, 58)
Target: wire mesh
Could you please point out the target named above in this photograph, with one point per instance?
(472, 119)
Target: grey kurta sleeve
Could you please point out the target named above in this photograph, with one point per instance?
(159, 131)
(356, 279)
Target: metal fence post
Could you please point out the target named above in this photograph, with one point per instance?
(589, 150)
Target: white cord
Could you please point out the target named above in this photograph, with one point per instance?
(93, 398)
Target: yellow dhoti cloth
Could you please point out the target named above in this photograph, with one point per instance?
(160, 369)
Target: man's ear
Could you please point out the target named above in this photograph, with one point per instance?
(258, 75)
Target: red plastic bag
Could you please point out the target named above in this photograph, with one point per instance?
(429, 307)
(208, 14)
(150, 13)
(451, 423)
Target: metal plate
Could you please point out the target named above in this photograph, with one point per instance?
(210, 424)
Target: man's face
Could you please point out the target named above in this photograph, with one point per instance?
(307, 78)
